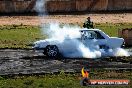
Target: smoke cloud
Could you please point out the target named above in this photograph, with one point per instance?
(68, 38)
(40, 7)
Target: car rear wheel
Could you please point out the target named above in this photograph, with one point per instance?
(52, 51)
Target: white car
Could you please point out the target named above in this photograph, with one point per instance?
(91, 38)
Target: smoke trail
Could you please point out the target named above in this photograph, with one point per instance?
(40, 7)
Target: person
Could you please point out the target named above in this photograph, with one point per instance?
(88, 24)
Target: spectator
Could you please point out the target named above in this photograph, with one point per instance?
(88, 24)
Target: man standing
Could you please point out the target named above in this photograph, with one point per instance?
(88, 24)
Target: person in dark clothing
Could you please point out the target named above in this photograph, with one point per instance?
(88, 24)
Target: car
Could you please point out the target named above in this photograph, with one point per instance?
(93, 39)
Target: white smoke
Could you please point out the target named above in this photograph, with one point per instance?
(68, 38)
(71, 37)
(40, 7)
(120, 52)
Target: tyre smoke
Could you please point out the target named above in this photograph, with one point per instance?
(68, 39)
(40, 7)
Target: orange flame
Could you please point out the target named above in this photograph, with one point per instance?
(85, 74)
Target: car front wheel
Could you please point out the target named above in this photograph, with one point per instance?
(52, 51)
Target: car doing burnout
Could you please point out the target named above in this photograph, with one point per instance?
(88, 37)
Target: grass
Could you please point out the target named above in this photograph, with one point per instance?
(18, 36)
(62, 80)
(22, 36)
(112, 29)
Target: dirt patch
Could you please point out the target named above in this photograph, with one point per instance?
(35, 20)
(28, 62)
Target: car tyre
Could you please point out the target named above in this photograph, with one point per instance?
(52, 51)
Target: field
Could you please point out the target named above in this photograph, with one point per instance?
(62, 80)
(17, 36)
(23, 36)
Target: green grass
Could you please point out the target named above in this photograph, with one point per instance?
(18, 36)
(112, 29)
(62, 80)
(22, 36)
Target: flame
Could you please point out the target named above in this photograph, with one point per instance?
(85, 74)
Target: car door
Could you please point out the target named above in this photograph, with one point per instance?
(93, 39)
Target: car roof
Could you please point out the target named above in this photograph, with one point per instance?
(85, 29)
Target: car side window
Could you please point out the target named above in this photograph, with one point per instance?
(99, 36)
(91, 35)
(88, 35)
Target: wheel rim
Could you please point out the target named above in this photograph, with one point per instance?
(52, 51)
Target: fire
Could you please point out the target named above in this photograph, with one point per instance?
(85, 74)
